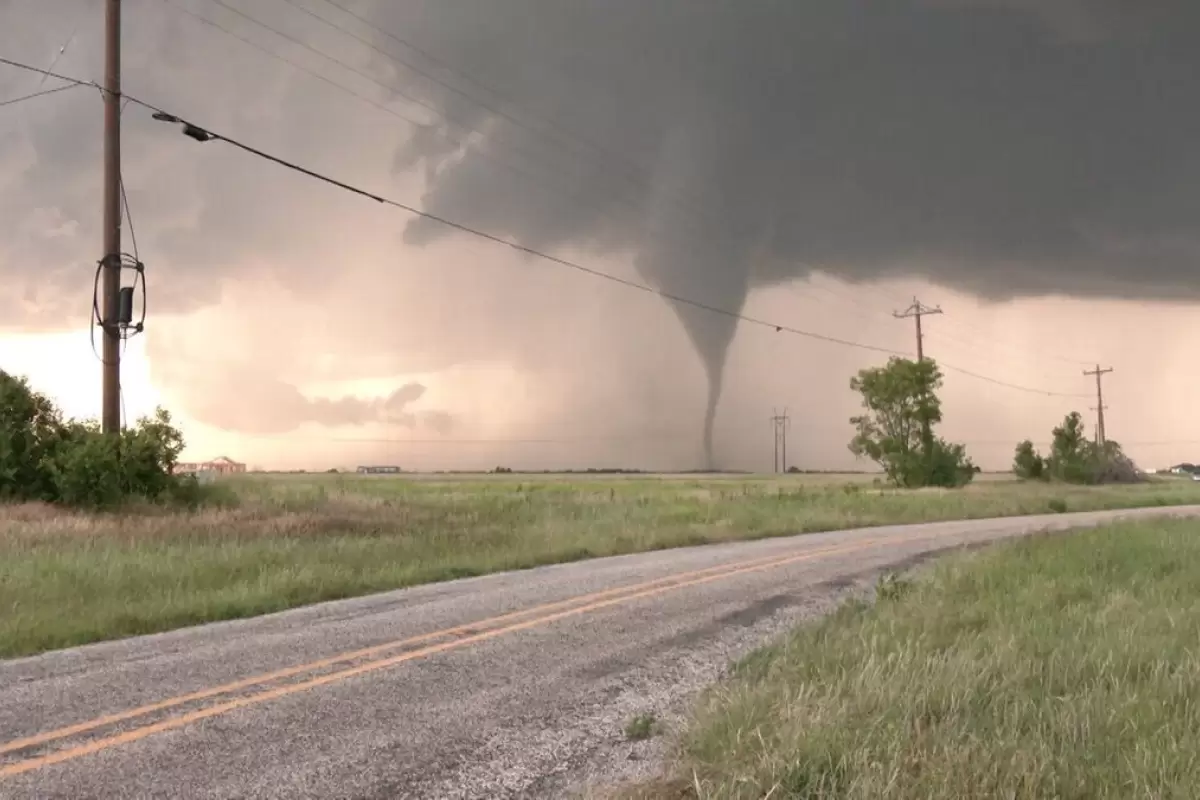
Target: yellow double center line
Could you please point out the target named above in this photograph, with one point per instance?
(460, 636)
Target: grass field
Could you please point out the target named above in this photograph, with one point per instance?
(69, 578)
(1058, 666)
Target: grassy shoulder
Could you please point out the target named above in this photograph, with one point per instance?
(1058, 666)
(69, 578)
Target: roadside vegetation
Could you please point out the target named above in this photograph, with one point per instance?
(99, 540)
(641, 727)
(896, 429)
(68, 577)
(1057, 666)
(47, 458)
(1074, 458)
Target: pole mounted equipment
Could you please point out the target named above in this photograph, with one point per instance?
(108, 277)
(916, 311)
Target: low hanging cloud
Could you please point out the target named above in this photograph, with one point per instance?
(279, 407)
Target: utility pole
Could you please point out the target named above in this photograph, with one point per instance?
(1099, 373)
(780, 423)
(110, 415)
(916, 311)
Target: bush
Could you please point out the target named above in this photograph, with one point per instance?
(947, 465)
(1075, 459)
(43, 457)
(1027, 463)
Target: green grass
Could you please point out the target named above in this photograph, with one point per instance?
(641, 727)
(68, 578)
(1059, 666)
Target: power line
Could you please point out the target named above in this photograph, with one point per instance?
(322, 54)
(960, 330)
(681, 437)
(293, 64)
(201, 134)
(537, 177)
(424, 73)
(635, 171)
(61, 51)
(42, 93)
(40, 71)
(541, 180)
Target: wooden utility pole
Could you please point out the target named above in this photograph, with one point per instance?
(1099, 373)
(110, 414)
(780, 423)
(916, 311)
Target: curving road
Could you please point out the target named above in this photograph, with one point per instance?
(512, 685)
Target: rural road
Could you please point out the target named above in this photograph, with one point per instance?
(512, 685)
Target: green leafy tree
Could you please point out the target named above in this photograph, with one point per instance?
(1074, 458)
(1028, 464)
(31, 430)
(43, 457)
(1071, 453)
(896, 431)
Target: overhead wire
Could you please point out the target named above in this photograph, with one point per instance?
(208, 134)
(139, 274)
(416, 70)
(956, 325)
(203, 134)
(61, 52)
(634, 170)
(541, 179)
(32, 95)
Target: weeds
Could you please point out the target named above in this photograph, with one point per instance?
(1058, 666)
(641, 727)
(69, 577)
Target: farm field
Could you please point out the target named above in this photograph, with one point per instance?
(1054, 666)
(276, 542)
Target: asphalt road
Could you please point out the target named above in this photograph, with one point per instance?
(513, 685)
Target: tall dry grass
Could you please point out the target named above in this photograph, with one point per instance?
(67, 578)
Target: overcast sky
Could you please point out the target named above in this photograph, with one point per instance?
(1029, 165)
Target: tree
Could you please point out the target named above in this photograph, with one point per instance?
(31, 429)
(1074, 458)
(1028, 463)
(896, 432)
(43, 457)
(1070, 452)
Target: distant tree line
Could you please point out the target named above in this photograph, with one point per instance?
(896, 430)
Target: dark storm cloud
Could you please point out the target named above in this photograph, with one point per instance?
(1003, 147)
(985, 144)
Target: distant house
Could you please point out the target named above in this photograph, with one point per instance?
(388, 470)
(222, 465)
